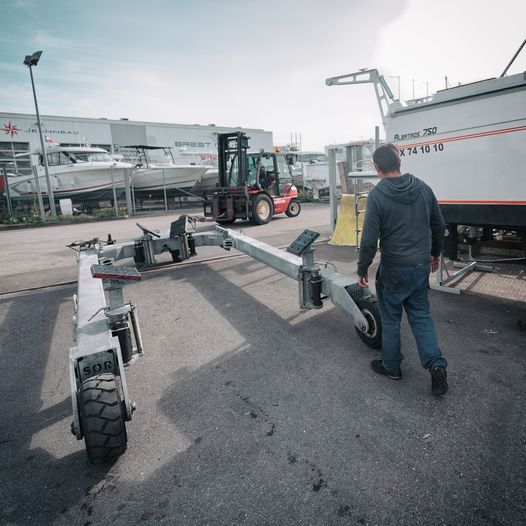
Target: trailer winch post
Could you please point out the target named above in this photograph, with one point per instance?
(310, 282)
(118, 312)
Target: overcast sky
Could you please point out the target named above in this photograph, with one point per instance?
(251, 63)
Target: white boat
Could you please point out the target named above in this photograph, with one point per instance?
(301, 163)
(466, 142)
(314, 176)
(314, 166)
(153, 172)
(208, 160)
(72, 170)
(209, 180)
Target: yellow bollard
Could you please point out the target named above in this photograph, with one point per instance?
(345, 231)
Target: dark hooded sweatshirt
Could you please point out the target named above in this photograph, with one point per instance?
(404, 214)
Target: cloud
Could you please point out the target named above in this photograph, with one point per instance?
(426, 43)
(270, 75)
(44, 40)
(25, 5)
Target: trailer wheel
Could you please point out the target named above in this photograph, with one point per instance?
(373, 337)
(262, 209)
(102, 418)
(294, 208)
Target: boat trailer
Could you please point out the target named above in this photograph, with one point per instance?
(103, 330)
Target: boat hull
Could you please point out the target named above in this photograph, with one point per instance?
(209, 180)
(179, 177)
(95, 180)
(316, 176)
(471, 152)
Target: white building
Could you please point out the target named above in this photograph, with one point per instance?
(189, 143)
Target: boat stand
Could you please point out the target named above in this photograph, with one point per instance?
(443, 276)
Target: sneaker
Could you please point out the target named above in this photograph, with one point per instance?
(439, 380)
(377, 367)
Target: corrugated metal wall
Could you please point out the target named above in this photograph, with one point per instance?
(124, 134)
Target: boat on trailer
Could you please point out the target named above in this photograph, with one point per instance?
(466, 142)
(73, 171)
(154, 172)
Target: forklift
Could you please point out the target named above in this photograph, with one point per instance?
(253, 186)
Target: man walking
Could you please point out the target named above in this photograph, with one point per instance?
(403, 213)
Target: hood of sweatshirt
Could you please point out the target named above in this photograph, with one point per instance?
(404, 189)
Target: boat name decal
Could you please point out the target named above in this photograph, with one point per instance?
(405, 136)
(415, 135)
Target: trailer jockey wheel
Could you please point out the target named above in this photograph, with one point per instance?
(262, 209)
(102, 418)
(373, 337)
(294, 208)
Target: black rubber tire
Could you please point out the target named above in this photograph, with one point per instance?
(294, 208)
(102, 418)
(373, 337)
(225, 221)
(258, 202)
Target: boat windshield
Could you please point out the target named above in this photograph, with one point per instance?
(92, 157)
(158, 157)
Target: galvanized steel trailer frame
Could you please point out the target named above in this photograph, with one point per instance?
(98, 350)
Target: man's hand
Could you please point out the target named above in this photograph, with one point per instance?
(434, 263)
(363, 281)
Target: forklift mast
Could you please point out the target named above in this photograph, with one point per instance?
(232, 159)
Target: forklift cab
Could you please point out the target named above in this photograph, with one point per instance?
(261, 171)
(268, 171)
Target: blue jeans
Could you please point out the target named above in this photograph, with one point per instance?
(406, 287)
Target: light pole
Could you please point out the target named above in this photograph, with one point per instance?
(30, 61)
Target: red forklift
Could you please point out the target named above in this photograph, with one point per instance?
(253, 186)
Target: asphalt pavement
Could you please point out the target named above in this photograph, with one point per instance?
(250, 411)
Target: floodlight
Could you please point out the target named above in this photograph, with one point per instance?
(32, 60)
